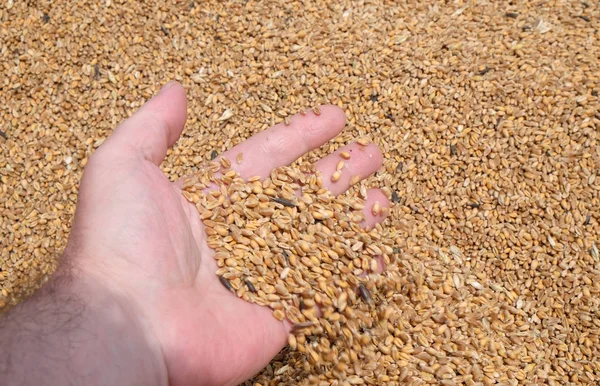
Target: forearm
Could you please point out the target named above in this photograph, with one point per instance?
(75, 331)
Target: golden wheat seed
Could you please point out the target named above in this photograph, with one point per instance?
(317, 110)
(335, 177)
(362, 141)
(345, 155)
(279, 314)
(340, 165)
(286, 121)
(376, 210)
(292, 342)
(373, 265)
(225, 162)
(239, 158)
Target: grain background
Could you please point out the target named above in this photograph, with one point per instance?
(487, 113)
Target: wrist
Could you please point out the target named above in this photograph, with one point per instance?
(130, 343)
(76, 330)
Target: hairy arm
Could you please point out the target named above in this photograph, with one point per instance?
(74, 331)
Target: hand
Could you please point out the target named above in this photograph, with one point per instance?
(136, 236)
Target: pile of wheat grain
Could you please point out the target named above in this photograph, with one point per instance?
(487, 113)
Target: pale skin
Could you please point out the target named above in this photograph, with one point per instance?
(135, 300)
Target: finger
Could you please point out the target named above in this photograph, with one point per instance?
(282, 144)
(348, 165)
(377, 208)
(238, 332)
(154, 127)
(257, 335)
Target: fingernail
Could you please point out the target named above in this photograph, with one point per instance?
(167, 86)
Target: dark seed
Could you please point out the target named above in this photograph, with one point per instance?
(96, 72)
(594, 93)
(498, 122)
(395, 197)
(192, 5)
(165, 31)
(374, 97)
(225, 283)
(312, 339)
(584, 18)
(585, 5)
(286, 255)
(452, 149)
(300, 326)
(396, 250)
(474, 205)
(587, 219)
(526, 28)
(400, 167)
(389, 116)
(213, 155)
(3, 134)
(283, 202)
(301, 306)
(250, 285)
(485, 71)
(46, 18)
(364, 293)
(512, 15)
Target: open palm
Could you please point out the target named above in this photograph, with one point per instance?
(134, 232)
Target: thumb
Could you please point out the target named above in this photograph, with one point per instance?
(154, 128)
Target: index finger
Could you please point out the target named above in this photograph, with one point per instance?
(282, 144)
